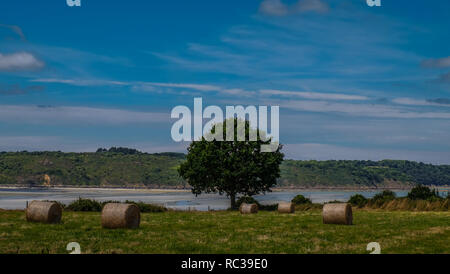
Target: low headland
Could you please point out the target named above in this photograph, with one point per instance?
(120, 168)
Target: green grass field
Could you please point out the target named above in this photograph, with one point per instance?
(230, 232)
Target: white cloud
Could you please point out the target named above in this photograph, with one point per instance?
(313, 151)
(186, 86)
(70, 144)
(437, 63)
(101, 82)
(54, 80)
(440, 101)
(146, 86)
(362, 110)
(19, 61)
(238, 91)
(313, 95)
(273, 7)
(78, 115)
(19, 143)
(282, 52)
(417, 102)
(312, 5)
(80, 82)
(278, 8)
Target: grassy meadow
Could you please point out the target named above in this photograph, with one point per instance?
(175, 232)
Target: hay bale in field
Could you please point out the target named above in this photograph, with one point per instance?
(284, 207)
(44, 212)
(337, 214)
(248, 208)
(115, 215)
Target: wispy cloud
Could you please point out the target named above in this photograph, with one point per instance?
(16, 89)
(280, 53)
(16, 29)
(78, 115)
(153, 87)
(19, 61)
(313, 95)
(146, 86)
(312, 6)
(238, 92)
(273, 7)
(80, 82)
(64, 62)
(73, 144)
(197, 87)
(186, 86)
(279, 8)
(315, 151)
(363, 110)
(102, 82)
(416, 102)
(437, 63)
(444, 78)
(440, 101)
(20, 143)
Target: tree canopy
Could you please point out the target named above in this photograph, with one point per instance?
(231, 167)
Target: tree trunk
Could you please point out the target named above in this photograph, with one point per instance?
(233, 200)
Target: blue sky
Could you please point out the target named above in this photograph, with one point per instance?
(352, 81)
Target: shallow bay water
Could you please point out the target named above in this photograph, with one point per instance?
(16, 198)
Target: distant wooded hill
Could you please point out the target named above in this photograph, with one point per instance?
(130, 168)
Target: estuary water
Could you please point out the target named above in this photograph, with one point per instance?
(17, 198)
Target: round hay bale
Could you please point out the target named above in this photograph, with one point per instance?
(340, 214)
(284, 207)
(44, 212)
(248, 208)
(116, 215)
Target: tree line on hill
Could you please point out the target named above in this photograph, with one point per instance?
(126, 167)
(364, 173)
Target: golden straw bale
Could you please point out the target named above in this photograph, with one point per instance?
(337, 214)
(44, 212)
(284, 207)
(115, 215)
(248, 208)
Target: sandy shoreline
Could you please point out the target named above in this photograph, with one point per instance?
(174, 190)
(93, 189)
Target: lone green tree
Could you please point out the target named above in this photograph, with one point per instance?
(232, 167)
